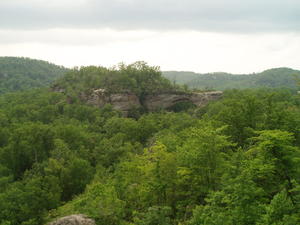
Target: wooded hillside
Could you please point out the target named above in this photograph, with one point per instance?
(272, 78)
(24, 73)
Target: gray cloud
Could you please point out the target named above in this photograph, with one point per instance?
(201, 15)
(72, 37)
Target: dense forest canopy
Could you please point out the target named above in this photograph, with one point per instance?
(23, 73)
(273, 78)
(235, 161)
(138, 78)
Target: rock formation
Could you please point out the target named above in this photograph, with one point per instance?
(126, 100)
(78, 219)
(165, 101)
(123, 101)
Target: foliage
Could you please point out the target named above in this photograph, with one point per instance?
(137, 78)
(24, 73)
(272, 78)
(236, 161)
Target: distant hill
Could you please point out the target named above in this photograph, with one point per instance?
(17, 73)
(23, 73)
(272, 78)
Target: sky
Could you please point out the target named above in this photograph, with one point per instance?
(237, 36)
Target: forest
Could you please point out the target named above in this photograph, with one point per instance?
(234, 161)
(18, 73)
(272, 78)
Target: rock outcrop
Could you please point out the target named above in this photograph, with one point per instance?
(126, 100)
(165, 101)
(123, 101)
(78, 219)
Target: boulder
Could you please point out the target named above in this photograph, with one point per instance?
(78, 219)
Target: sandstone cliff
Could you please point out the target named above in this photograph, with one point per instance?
(167, 100)
(123, 101)
(126, 100)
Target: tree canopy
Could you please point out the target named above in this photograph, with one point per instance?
(235, 161)
(24, 73)
(272, 78)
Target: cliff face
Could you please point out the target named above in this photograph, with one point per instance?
(165, 101)
(120, 101)
(126, 100)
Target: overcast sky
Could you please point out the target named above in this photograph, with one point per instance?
(239, 36)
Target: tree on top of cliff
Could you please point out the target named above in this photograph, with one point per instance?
(139, 78)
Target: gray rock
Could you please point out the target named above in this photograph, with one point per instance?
(126, 100)
(165, 100)
(123, 101)
(78, 219)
